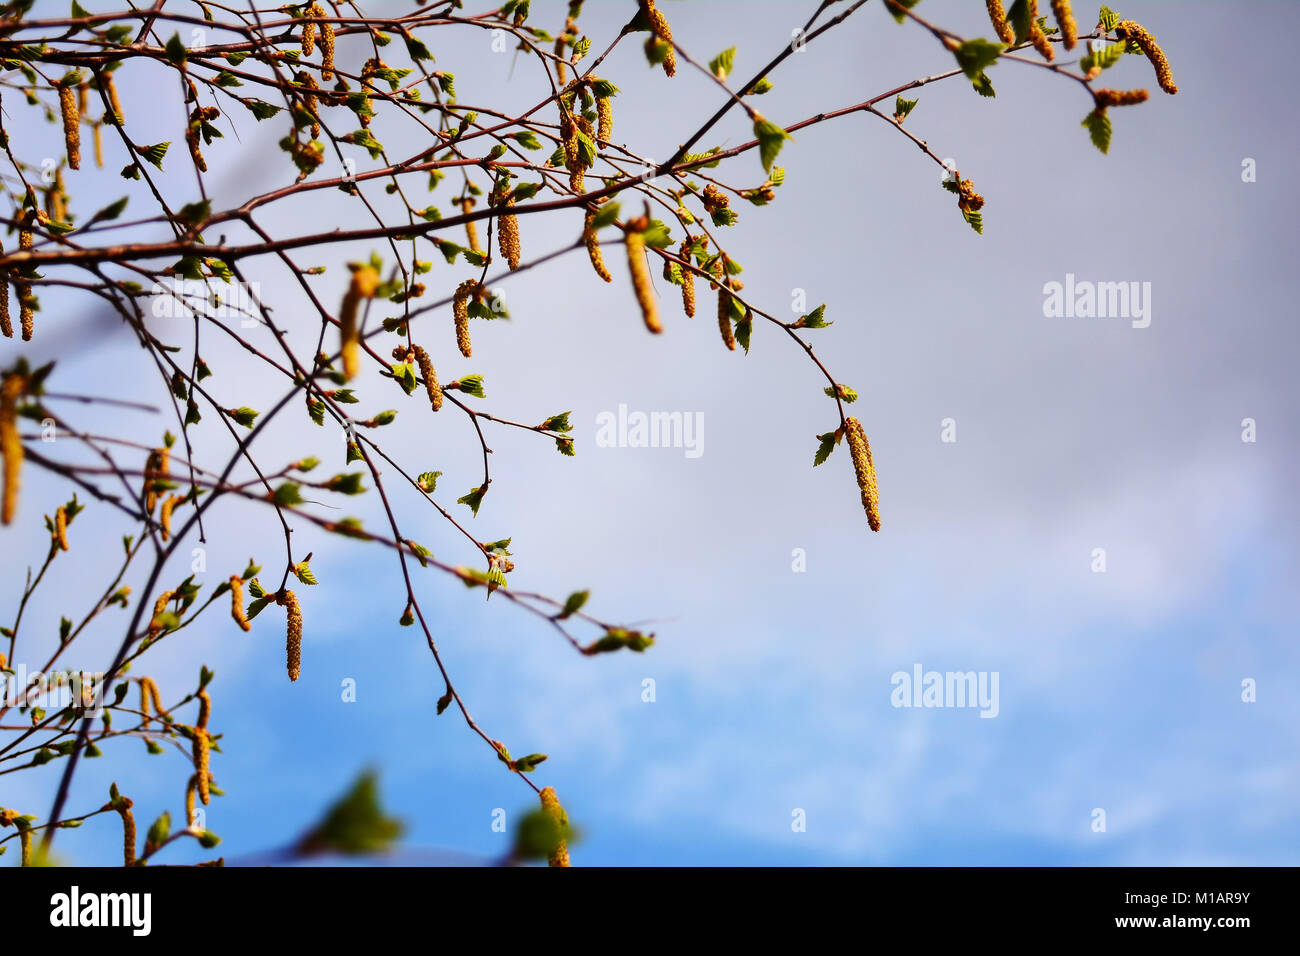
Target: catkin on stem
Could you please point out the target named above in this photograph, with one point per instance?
(998, 16)
(430, 377)
(202, 752)
(149, 696)
(11, 446)
(865, 470)
(309, 31)
(559, 856)
(1036, 35)
(1105, 98)
(123, 808)
(327, 51)
(724, 318)
(61, 528)
(25, 847)
(471, 227)
(508, 236)
(364, 283)
(293, 634)
(604, 118)
(593, 248)
(237, 602)
(659, 24)
(71, 125)
(205, 710)
(1132, 30)
(190, 789)
(6, 324)
(1065, 20)
(165, 515)
(26, 317)
(460, 311)
(688, 281)
(645, 293)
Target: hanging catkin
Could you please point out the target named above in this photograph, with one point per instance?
(1036, 35)
(430, 377)
(237, 603)
(71, 125)
(11, 446)
(645, 293)
(471, 227)
(998, 16)
(201, 752)
(659, 25)
(26, 317)
(604, 118)
(309, 31)
(123, 807)
(688, 280)
(460, 311)
(593, 248)
(865, 470)
(327, 48)
(6, 324)
(507, 228)
(559, 856)
(1065, 20)
(365, 281)
(724, 318)
(1132, 30)
(293, 634)
(61, 528)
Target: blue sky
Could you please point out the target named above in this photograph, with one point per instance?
(1119, 690)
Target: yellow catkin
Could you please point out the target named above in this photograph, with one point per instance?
(61, 528)
(26, 318)
(117, 116)
(83, 98)
(508, 236)
(205, 710)
(593, 249)
(309, 31)
(688, 281)
(1065, 20)
(471, 227)
(71, 125)
(237, 603)
(430, 377)
(572, 154)
(659, 24)
(25, 845)
(159, 606)
(308, 81)
(97, 136)
(645, 293)
(194, 131)
(165, 515)
(6, 323)
(293, 635)
(202, 751)
(11, 446)
(1036, 35)
(561, 72)
(190, 789)
(724, 318)
(327, 51)
(999, 18)
(148, 697)
(551, 804)
(123, 808)
(460, 310)
(865, 469)
(604, 118)
(1107, 98)
(1132, 30)
(364, 282)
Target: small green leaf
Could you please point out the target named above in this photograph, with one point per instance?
(770, 140)
(975, 55)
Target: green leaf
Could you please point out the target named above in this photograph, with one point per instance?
(825, 448)
(356, 824)
(1098, 125)
(983, 85)
(244, 415)
(473, 499)
(529, 763)
(903, 108)
(573, 604)
(1107, 18)
(175, 50)
(975, 219)
(471, 385)
(974, 55)
(428, 481)
(287, 495)
(722, 64)
(770, 140)
(348, 483)
(558, 423)
(1102, 57)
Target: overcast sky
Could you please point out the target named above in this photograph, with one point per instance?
(1118, 690)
